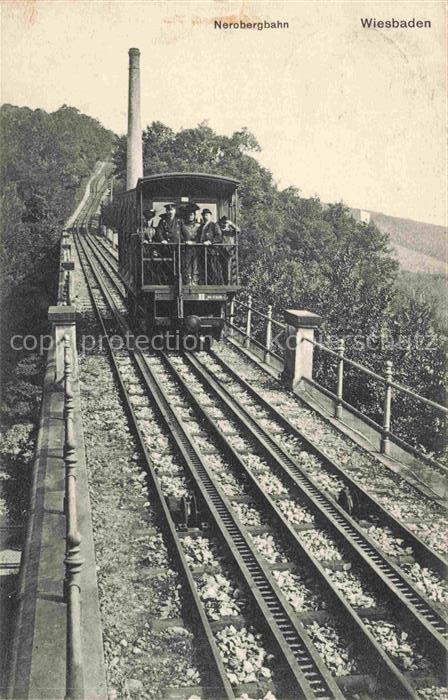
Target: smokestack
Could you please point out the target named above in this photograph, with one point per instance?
(134, 163)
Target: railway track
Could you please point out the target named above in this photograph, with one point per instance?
(217, 683)
(303, 670)
(294, 441)
(366, 498)
(306, 675)
(92, 205)
(302, 658)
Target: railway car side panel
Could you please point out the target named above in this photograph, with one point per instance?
(129, 243)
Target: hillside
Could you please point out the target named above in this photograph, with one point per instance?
(420, 247)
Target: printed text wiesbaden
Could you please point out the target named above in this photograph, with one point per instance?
(393, 23)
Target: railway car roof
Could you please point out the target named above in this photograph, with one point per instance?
(200, 183)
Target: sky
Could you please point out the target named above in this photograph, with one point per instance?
(340, 111)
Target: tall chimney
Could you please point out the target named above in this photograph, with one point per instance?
(134, 163)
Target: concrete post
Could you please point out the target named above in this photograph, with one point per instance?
(298, 351)
(134, 161)
(62, 319)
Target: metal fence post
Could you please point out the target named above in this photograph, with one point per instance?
(232, 315)
(340, 379)
(385, 441)
(73, 562)
(268, 334)
(248, 321)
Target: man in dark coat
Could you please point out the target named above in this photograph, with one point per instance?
(210, 233)
(189, 232)
(229, 238)
(168, 231)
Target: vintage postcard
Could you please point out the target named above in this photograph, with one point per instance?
(223, 349)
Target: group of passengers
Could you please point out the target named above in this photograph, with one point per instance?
(182, 225)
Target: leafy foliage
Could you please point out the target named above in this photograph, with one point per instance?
(45, 158)
(427, 288)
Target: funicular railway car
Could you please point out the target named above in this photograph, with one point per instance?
(177, 285)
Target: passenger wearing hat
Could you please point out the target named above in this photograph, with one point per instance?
(229, 234)
(189, 230)
(168, 230)
(229, 229)
(210, 233)
(149, 228)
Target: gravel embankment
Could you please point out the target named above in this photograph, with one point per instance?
(139, 659)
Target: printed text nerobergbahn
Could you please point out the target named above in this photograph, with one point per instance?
(219, 24)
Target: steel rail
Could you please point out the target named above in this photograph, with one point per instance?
(103, 250)
(428, 555)
(309, 677)
(392, 436)
(104, 258)
(352, 620)
(412, 606)
(92, 203)
(219, 683)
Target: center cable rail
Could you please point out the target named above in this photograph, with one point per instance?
(308, 675)
(219, 684)
(428, 555)
(412, 606)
